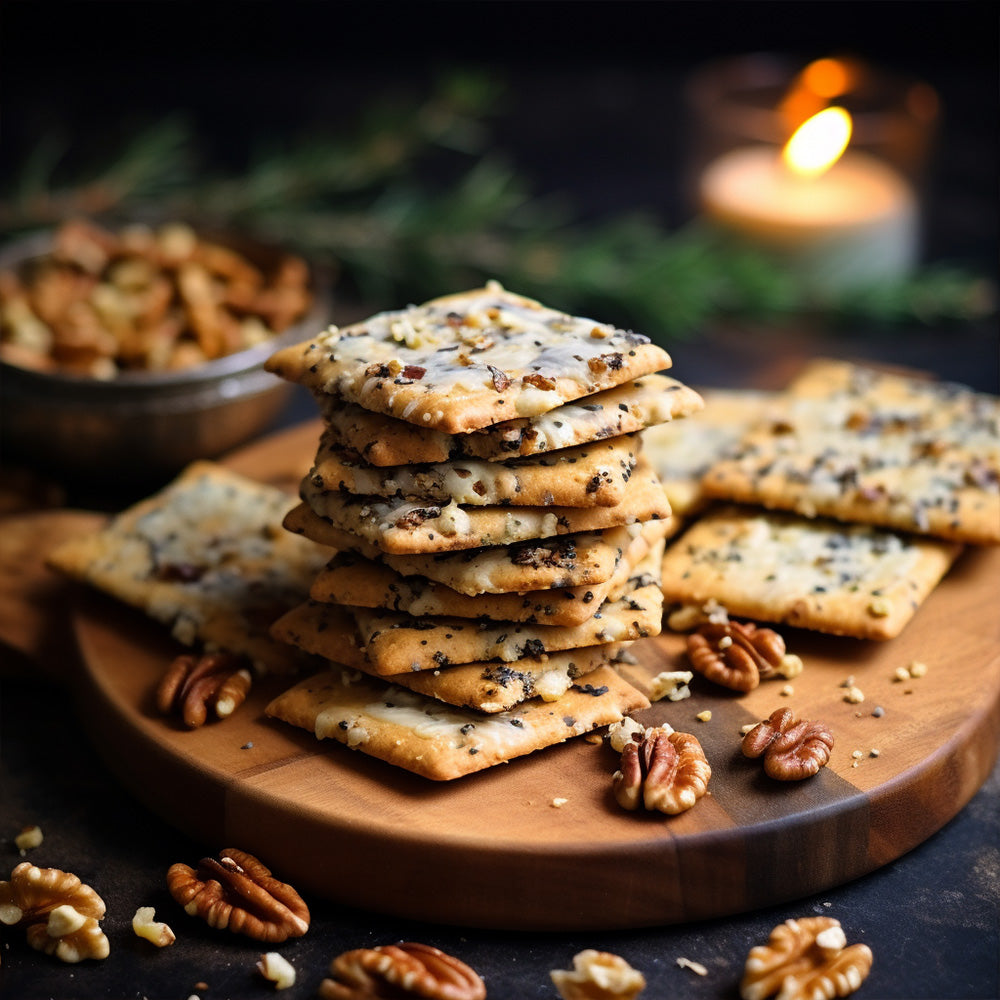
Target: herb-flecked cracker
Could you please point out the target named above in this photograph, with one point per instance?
(465, 361)
(437, 741)
(381, 440)
(355, 580)
(407, 527)
(589, 475)
(843, 579)
(864, 445)
(206, 556)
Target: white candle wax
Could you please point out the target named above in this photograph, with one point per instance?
(855, 224)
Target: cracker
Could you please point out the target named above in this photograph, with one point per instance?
(466, 361)
(352, 579)
(207, 557)
(854, 580)
(436, 741)
(405, 527)
(589, 475)
(386, 441)
(864, 445)
(681, 453)
(395, 643)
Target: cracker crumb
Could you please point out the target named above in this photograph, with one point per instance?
(787, 690)
(671, 684)
(595, 738)
(247, 746)
(878, 711)
(901, 674)
(790, 666)
(873, 752)
(29, 837)
(854, 695)
(558, 803)
(695, 967)
(857, 754)
(918, 668)
(704, 716)
(848, 681)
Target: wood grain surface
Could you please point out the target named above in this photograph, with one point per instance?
(495, 850)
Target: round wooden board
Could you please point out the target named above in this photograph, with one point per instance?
(540, 843)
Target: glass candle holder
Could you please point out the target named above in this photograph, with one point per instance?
(853, 222)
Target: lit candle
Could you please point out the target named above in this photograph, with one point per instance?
(837, 219)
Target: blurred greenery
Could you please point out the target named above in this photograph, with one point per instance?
(416, 201)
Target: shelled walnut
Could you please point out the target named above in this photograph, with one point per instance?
(191, 686)
(792, 750)
(598, 975)
(59, 913)
(401, 970)
(664, 770)
(238, 892)
(736, 655)
(805, 959)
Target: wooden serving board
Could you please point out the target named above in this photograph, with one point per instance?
(495, 850)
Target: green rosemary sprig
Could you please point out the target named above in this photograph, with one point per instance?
(371, 204)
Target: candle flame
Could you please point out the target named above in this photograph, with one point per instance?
(815, 86)
(818, 143)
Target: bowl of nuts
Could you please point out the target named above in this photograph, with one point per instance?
(136, 350)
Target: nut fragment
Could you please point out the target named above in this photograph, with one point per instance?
(155, 931)
(193, 685)
(238, 892)
(598, 975)
(60, 914)
(665, 771)
(29, 837)
(805, 958)
(791, 749)
(277, 969)
(405, 969)
(735, 654)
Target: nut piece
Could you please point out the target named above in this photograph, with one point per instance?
(277, 969)
(805, 958)
(238, 892)
(145, 926)
(60, 913)
(735, 654)
(29, 837)
(598, 975)
(665, 771)
(791, 750)
(193, 685)
(406, 969)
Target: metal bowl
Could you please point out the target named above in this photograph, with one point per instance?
(144, 424)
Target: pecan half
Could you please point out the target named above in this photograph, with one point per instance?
(401, 970)
(735, 654)
(542, 382)
(59, 913)
(598, 975)
(805, 958)
(665, 771)
(238, 892)
(792, 750)
(192, 685)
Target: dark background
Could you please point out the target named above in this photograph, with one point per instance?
(593, 90)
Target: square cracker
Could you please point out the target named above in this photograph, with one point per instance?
(381, 440)
(466, 361)
(207, 557)
(487, 686)
(854, 580)
(406, 527)
(864, 445)
(352, 579)
(681, 453)
(437, 741)
(395, 643)
(589, 475)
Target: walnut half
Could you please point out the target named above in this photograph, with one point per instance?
(598, 975)
(792, 750)
(59, 913)
(663, 771)
(401, 970)
(238, 892)
(805, 959)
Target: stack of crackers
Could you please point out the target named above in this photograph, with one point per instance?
(836, 505)
(499, 532)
